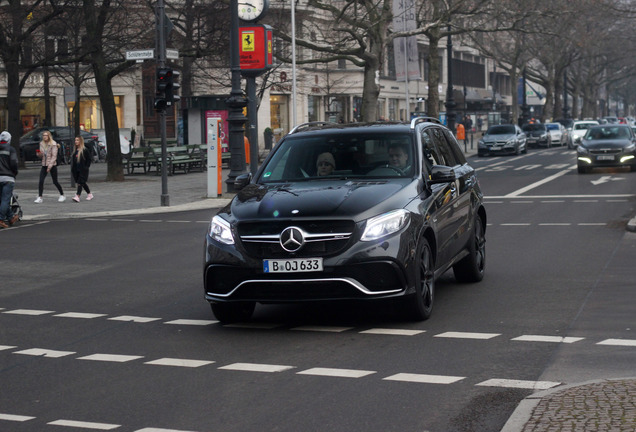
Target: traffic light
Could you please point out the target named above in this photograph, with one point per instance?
(173, 87)
(164, 84)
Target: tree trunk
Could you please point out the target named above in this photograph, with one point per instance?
(13, 99)
(370, 91)
(433, 76)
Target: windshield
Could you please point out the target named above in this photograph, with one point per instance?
(501, 130)
(552, 126)
(583, 126)
(608, 132)
(329, 156)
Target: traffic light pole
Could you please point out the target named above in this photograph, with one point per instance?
(161, 63)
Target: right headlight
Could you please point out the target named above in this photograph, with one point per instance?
(386, 224)
(221, 231)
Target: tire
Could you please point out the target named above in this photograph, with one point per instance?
(233, 312)
(471, 268)
(419, 306)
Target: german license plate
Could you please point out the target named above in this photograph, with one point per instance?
(496, 147)
(297, 265)
(605, 157)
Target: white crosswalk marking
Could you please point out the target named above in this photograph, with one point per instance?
(192, 322)
(397, 332)
(423, 378)
(467, 335)
(179, 362)
(538, 338)
(15, 418)
(134, 319)
(333, 372)
(33, 312)
(81, 315)
(618, 342)
(6, 347)
(41, 352)
(254, 367)
(522, 384)
(117, 358)
(85, 425)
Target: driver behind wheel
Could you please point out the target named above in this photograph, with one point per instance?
(399, 156)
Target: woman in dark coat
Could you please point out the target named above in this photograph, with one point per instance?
(80, 163)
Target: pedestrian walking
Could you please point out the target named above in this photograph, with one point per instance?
(8, 172)
(48, 153)
(461, 133)
(80, 164)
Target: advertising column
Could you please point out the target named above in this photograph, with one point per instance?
(215, 188)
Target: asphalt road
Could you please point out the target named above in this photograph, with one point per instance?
(103, 325)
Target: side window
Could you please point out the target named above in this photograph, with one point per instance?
(431, 155)
(447, 156)
(452, 142)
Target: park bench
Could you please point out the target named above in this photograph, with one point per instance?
(182, 158)
(137, 158)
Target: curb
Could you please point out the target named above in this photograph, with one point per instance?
(523, 413)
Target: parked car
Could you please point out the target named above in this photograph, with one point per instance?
(578, 130)
(610, 119)
(502, 139)
(557, 132)
(537, 135)
(360, 211)
(609, 145)
(64, 136)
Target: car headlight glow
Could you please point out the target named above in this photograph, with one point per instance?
(386, 224)
(221, 231)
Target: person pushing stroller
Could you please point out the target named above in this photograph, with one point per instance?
(8, 172)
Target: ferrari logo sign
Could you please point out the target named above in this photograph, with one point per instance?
(255, 49)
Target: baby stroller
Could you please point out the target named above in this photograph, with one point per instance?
(15, 206)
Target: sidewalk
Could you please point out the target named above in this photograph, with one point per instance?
(607, 405)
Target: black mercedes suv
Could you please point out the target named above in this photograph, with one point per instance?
(348, 212)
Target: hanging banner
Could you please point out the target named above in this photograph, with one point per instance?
(406, 54)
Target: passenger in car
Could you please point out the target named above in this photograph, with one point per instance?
(325, 164)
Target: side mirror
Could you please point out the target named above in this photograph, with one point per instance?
(241, 181)
(441, 174)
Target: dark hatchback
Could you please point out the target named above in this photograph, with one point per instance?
(63, 135)
(537, 135)
(608, 145)
(364, 230)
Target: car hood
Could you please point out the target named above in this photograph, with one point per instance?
(322, 198)
(606, 144)
(500, 137)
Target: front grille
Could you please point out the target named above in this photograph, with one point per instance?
(605, 151)
(261, 240)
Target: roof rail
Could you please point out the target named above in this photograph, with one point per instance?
(423, 119)
(310, 124)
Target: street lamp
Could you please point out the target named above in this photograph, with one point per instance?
(450, 101)
(524, 106)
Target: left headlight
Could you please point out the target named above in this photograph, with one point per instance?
(386, 224)
(221, 231)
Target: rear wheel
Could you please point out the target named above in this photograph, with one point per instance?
(233, 312)
(472, 267)
(420, 305)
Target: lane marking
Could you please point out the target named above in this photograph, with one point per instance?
(330, 329)
(592, 223)
(33, 312)
(339, 373)
(179, 362)
(80, 315)
(15, 418)
(539, 338)
(467, 335)
(150, 220)
(555, 224)
(396, 332)
(191, 322)
(135, 319)
(515, 224)
(255, 367)
(117, 358)
(618, 342)
(521, 384)
(6, 347)
(85, 425)
(41, 352)
(538, 183)
(423, 378)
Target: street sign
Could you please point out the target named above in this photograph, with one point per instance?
(140, 54)
(172, 54)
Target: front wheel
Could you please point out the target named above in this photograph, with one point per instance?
(420, 305)
(472, 267)
(233, 312)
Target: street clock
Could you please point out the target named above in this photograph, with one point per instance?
(252, 10)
